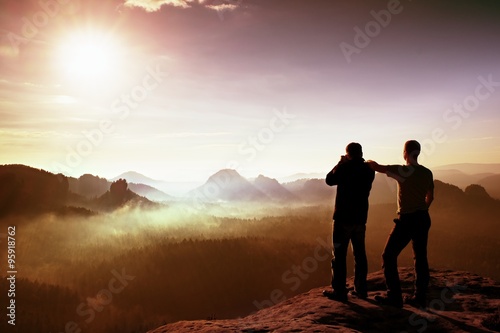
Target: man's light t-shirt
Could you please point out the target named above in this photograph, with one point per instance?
(414, 182)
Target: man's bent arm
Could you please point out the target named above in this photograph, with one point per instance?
(429, 197)
(332, 177)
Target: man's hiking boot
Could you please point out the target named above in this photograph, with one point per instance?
(335, 295)
(396, 302)
(360, 295)
(415, 301)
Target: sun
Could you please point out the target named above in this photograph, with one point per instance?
(85, 56)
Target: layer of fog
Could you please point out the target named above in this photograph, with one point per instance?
(49, 242)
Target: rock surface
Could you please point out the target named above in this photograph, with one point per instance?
(458, 302)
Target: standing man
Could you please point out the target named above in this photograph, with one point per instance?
(353, 178)
(415, 195)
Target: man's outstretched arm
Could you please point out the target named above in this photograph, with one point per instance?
(377, 167)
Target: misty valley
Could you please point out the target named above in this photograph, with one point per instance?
(99, 256)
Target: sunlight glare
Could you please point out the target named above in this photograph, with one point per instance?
(89, 56)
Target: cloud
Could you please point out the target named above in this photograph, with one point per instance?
(222, 7)
(155, 5)
(219, 6)
(11, 134)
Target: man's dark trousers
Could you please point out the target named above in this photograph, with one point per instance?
(412, 227)
(342, 234)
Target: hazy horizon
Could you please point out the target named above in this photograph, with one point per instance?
(466, 167)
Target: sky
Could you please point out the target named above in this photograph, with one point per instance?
(179, 89)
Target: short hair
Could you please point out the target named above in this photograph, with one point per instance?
(354, 149)
(412, 148)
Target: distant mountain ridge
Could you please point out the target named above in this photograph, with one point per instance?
(464, 174)
(459, 178)
(223, 186)
(227, 185)
(492, 185)
(470, 168)
(168, 188)
(27, 190)
(383, 189)
(135, 177)
(273, 189)
(301, 175)
(150, 192)
(91, 186)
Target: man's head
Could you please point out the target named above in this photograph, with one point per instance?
(354, 150)
(411, 151)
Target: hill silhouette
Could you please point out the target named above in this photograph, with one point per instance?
(459, 178)
(458, 301)
(273, 189)
(150, 192)
(89, 186)
(118, 195)
(26, 190)
(316, 190)
(465, 174)
(228, 185)
(492, 185)
(472, 197)
(135, 177)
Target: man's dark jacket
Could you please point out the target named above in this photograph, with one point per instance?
(354, 181)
